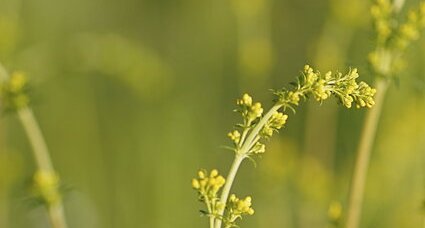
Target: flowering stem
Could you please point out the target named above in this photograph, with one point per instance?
(367, 137)
(41, 154)
(57, 215)
(246, 146)
(363, 156)
(344, 87)
(240, 156)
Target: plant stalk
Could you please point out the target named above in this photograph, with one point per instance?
(240, 156)
(363, 155)
(41, 154)
(226, 189)
(368, 136)
(30, 125)
(210, 213)
(57, 215)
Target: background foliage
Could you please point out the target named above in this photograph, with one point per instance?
(135, 95)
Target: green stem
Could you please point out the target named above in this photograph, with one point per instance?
(253, 142)
(226, 189)
(57, 215)
(246, 146)
(363, 156)
(240, 156)
(368, 135)
(210, 211)
(41, 154)
(244, 133)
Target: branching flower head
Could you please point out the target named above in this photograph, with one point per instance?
(236, 208)
(250, 111)
(342, 86)
(208, 186)
(276, 122)
(257, 127)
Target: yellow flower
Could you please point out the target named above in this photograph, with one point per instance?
(195, 184)
(246, 100)
(17, 82)
(13, 92)
(47, 184)
(240, 206)
(255, 111)
(335, 211)
(208, 185)
(234, 136)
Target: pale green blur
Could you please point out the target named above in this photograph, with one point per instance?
(134, 96)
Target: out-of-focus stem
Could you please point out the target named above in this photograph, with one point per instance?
(398, 4)
(367, 137)
(57, 215)
(363, 155)
(41, 155)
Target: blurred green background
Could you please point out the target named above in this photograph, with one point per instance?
(134, 96)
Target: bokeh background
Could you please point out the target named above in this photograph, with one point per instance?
(134, 96)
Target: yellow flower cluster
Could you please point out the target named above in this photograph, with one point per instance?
(344, 87)
(258, 148)
(245, 101)
(365, 99)
(236, 208)
(46, 184)
(208, 185)
(250, 111)
(294, 96)
(235, 136)
(13, 94)
(241, 206)
(276, 122)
